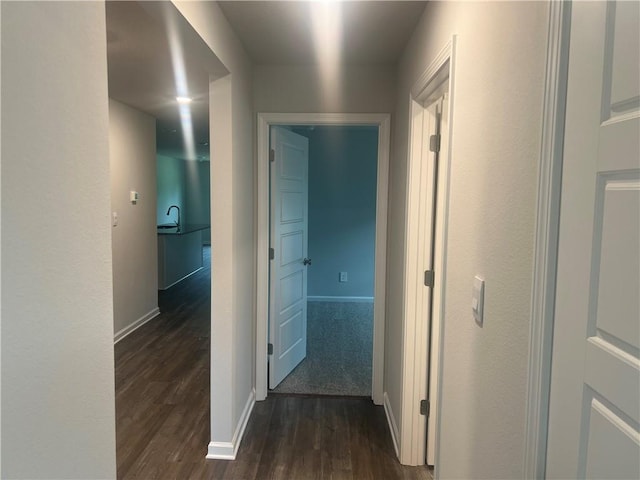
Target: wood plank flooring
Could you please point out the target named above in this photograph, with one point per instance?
(162, 412)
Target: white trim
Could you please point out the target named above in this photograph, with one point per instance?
(229, 450)
(120, 334)
(391, 420)
(380, 289)
(181, 279)
(434, 74)
(318, 298)
(445, 234)
(436, 79)
(546, 238)
(264, 121)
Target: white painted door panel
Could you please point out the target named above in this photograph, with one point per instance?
(594, 409)
(288, 273)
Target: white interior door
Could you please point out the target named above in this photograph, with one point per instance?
(594, 409)
(288, 272)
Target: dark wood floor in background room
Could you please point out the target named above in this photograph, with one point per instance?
(162, 412)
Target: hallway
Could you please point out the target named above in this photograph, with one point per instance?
(162, 411)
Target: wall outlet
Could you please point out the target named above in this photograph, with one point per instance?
(343, 277)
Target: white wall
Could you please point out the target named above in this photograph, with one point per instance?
(298, 89)
(232, 225)
(132, 152)
(58, 418)
(496, 133)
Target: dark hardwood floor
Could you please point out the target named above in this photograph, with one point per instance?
(162, 411)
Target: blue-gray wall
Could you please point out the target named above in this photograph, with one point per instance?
(186, 184)
(171, 187)
(342, 209)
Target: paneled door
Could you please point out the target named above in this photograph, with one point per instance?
(289, 263)
(594, 409)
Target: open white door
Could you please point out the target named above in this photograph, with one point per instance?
(594, 409)
(288, 236)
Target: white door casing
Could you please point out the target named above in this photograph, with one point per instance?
(289, 239)
(594, 409)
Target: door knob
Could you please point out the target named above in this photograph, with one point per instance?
(306, 261)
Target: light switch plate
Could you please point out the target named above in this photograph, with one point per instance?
(477, 300)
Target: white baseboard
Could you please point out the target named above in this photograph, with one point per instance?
(229, 450)
(339, 299)
(393, 426)
(178, 281)
(120, 334)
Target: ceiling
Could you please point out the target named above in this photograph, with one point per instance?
(280, 33)
(141, 69)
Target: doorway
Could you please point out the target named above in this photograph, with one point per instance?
(322, 273)
(425, 259)
(265, 121)
(162, 366)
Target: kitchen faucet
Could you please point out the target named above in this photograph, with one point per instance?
(177, 208)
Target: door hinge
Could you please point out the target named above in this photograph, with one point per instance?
(270, 349)
(429, 278)
(272, 155)
(434, 143)
(272, 254)
(424, 407)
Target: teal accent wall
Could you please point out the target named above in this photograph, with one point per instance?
(342, 209)
(186, 184)
(171, 187)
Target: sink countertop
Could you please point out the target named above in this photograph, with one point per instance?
(184, 229)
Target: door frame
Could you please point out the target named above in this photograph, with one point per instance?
(546, 241)
(264, 122)
(434, 81)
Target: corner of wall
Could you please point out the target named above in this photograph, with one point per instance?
(229, 450)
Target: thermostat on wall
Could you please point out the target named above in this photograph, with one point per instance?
(133, 196)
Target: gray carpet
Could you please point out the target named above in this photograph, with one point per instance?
(339, 351)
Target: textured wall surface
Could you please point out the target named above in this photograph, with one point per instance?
(58, 405)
